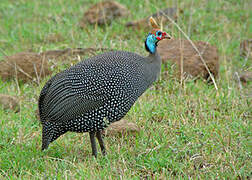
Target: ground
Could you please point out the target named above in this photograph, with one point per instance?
(187, 129)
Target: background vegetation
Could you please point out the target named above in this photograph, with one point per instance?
(188, 129)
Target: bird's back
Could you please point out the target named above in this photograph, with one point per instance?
(105, 86)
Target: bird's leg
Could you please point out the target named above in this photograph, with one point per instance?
(93, 143)
(100, 140)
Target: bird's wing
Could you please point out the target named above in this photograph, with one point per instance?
(72, 108)
(70, 97)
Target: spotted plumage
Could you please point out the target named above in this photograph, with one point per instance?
(100, 90)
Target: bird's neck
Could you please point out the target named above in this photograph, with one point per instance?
(155, 60)
(151, 44)
(154, 67)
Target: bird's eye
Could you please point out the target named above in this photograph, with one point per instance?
(159, 33)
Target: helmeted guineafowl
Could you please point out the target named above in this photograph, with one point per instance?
(100, 90)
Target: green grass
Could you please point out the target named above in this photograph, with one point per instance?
(188, 130)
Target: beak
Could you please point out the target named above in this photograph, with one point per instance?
(165, 36)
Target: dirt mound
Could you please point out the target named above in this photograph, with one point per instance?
(27, 66)
(67, 54)
(160, 17)
(9, 102)
(103, 13)
(177, 51)
(121, 127)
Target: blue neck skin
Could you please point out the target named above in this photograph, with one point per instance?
(151, 43)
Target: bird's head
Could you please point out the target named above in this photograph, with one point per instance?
(154, 37)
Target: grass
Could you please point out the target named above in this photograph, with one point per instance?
(188, 130)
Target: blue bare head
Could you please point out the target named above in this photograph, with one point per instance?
(152, 39)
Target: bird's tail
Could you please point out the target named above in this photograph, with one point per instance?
(50, 132)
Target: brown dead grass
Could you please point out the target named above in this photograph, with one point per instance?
(246, 76)
(54, 38)
(246, 48)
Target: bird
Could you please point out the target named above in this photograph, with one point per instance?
(98, 91)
